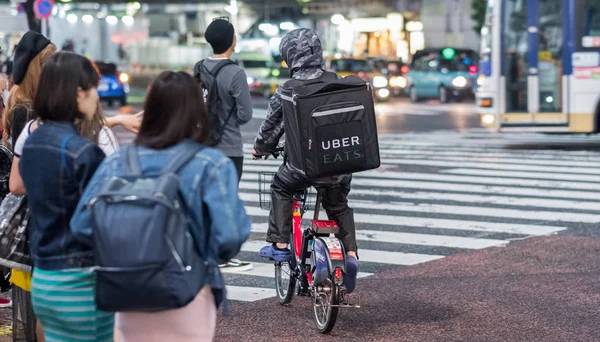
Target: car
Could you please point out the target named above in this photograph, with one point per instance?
(114, 85)
(363, 69)
(395, 71)
(278, 76)
(443, 73)
(257, 67)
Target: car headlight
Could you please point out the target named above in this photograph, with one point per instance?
(480, 80)
(250, 80)
(383, 93)
(459, 82)
(380, 82)
(398, 82)
(123, 77)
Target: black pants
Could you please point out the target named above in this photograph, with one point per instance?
(239, 166)
(334, 196)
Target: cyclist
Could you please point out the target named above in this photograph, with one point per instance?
(302, 51)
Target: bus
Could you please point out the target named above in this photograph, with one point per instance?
(540, 66)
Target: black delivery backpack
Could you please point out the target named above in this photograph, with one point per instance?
(330, 126)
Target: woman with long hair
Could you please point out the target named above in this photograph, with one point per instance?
(174, 119)
(63, 265)
(31, 54)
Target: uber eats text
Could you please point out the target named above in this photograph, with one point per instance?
(334, 144)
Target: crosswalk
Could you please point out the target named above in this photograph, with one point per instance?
(441, 193)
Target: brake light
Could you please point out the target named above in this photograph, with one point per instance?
(473, 69)
(338, 273)
(404, 69)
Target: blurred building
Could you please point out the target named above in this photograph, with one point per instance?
(156, 35)
(448, 23)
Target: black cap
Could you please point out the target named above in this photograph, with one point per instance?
(219, 34)
(30, 46)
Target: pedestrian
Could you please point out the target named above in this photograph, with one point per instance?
(234, 100)
(174, 119)
(30, 56)
(63, 266)
(95, 130)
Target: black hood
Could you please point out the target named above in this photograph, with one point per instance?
(302, 49)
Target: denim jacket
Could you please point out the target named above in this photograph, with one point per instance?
(209, 187)
(56, 166)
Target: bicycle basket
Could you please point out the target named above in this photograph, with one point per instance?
(264, 189)
(264, 192)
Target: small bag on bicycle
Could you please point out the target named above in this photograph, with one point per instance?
(145, 250)
(330, 126)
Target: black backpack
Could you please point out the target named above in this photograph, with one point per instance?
(330, 126)
(213, 102)
(149, 262)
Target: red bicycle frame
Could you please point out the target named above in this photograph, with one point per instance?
(297, 228)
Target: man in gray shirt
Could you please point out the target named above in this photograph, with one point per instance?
(236, 103)
(233, 90)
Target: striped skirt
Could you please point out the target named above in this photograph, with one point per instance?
(64, 303)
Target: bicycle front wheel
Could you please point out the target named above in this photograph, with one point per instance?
(285, 282)
(326, 305)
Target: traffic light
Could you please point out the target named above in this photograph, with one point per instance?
(448, 53)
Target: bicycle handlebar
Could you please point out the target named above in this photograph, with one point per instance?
(278, 151)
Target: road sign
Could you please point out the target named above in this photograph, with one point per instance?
(43, 8)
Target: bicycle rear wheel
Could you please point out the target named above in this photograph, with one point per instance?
(326, 305)
(285, 282)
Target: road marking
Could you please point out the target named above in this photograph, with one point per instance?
(434, 223)
(413, 238)
(463, 210)
(517, 174)
(366, 255)
(464, 164)
(479, 155)
(379, 185)
(479, 199)
(460, 188)
(249, 294)
(568, 163)
(450, 179)
(268, 271)
(481, 165)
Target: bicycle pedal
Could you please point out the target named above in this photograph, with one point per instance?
(351, 300)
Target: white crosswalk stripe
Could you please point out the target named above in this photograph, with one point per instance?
(442, 193)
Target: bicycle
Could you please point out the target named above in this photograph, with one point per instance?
(319, 259)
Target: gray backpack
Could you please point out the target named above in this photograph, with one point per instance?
(144, 244)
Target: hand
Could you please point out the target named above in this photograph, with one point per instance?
(256, 156)
(132, 123)
(3, 83)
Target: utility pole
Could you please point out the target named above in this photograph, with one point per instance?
(34, 23)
